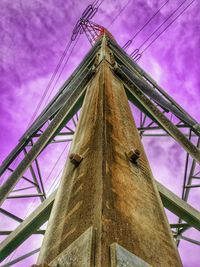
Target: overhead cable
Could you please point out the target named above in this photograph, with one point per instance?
(136, 54)
(168, 26)
(156, 30)
(119, 13)
(61, 71)
(50, 81)
(129, 42)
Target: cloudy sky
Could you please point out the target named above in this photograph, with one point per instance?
(34, 34)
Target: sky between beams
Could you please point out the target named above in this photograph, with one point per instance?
(34, 34)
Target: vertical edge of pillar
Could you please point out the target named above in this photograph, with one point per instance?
(121, 257)
(79, 253)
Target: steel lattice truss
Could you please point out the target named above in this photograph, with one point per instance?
(160, 116)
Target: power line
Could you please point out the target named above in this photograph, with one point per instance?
(98, 3)
(55, 164)
(161, 24)
(120, 12)
(62, 70)
(129, 42)
(168, 25)
(50, 81)
(55, 182)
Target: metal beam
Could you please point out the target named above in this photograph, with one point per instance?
(157, 98)
(123, 58)
(12, 156)
(188, 239)
(12, 216)
(25, 178)
(32, 223)
(64, 93)
(42, 195)
(179, 207)
(24, 196)
(21, 258)
(29, 226)
(145, 104)
(38, 232)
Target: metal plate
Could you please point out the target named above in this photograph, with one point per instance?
(120, 257)
(79, 253)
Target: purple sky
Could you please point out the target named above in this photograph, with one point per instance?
(34, 34)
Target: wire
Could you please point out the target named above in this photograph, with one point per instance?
(55, 182)
(61, 70)
(168, 26)
(162, 24)
(120, 12)
(48, 176)
(33, 202)
(50, 81)
(54, 166)
(128, 43)
(96, 3)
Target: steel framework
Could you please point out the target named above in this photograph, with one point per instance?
(160, 116)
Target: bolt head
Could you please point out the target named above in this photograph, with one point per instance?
(75, 158)
(133, 155)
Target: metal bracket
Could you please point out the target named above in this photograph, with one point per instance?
(75, 158)
(133, 155)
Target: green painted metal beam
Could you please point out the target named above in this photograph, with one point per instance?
(33, 222)
(161, 119)
(179, 207)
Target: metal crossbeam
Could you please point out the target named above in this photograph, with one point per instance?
(12, 216)
(188, 239)
(38, 232)
(179, 207)
(122, 58)
(21, 258)
(145, 104)
(30, 225)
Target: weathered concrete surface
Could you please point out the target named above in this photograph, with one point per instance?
(118, 198)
